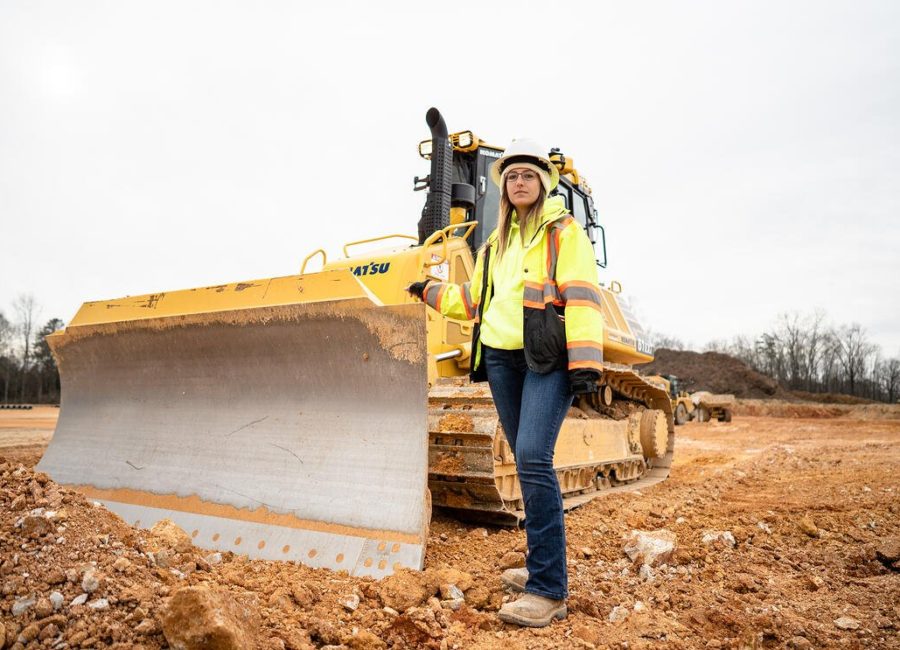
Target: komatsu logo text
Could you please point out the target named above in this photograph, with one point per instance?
(372, 268)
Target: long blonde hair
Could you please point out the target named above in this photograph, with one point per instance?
(504, 218)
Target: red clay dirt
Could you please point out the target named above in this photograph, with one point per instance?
(787, 533)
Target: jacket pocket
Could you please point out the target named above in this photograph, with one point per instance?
(545, 340)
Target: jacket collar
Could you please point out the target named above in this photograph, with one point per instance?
(554, 208)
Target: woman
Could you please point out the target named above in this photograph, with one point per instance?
(538, 339)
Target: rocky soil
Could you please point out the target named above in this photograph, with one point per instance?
(771, 532)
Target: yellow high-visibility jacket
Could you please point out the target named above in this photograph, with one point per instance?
(558, 268)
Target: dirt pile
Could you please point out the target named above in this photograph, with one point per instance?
(780, 408)
(714, 372)
(770, 533)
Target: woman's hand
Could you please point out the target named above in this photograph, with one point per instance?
(417, 289)
(583, 381)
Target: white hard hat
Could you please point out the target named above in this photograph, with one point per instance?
(525, 150)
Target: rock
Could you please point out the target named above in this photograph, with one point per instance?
(451, 576)
(888, 553)
(79, 600)
(59, 516)
(56, 577)
(213, 559)
(2, 635)
(303, 595)
(512, 560)
(586, 551)
(680, 520)
(29, 634)
(147, 626)
(743, 583)
(98, 604)
(43, 608)
(161, 558)
(639, 606)
(645, 573)
(618, 614)
(590, 635)
(407, 588)
(451, 592)
(122, 564)
(350, 603)
(18, 503)
(479, 533)
(799, 643)
(813, 583)
(478, 597)
(365, 640)
(808, 526)
(198, 618)
(651, 547)
(166, 534)
(34, 527)
(49, 631)
(723, 538)
(847, 623)
(22, 605)
(56, 599)
(91, 581)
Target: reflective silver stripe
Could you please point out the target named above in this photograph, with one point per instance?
(581, 293)
(534, 295)
(467, 300)
(551, 293)
(431, 294)
(585, 354)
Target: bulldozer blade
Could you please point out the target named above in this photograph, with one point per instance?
(284, 432)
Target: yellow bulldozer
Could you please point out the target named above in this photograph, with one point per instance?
(317, 417)
(701, 406)
(682, 406)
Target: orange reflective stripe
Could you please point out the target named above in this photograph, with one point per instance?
(594, 365)
(578, 283)
(440, 295)
(467, 300)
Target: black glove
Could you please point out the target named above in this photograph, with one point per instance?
(583, 381)
(417, 289)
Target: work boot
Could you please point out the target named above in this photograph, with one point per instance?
(532, 610)
(515, 579)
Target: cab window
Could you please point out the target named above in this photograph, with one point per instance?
(579, 210)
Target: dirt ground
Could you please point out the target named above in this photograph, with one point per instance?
(787, 531)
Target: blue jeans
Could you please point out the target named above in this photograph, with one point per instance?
(532, 408)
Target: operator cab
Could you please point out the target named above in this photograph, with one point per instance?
(472, 160)
(674, 385)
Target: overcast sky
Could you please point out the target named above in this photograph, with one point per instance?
(745, 156)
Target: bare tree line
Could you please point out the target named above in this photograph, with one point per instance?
(805, 352)
(28, 372)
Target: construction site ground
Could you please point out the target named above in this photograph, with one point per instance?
(787, 524)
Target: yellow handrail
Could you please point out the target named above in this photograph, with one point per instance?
(367, 241)
(444, 235)
(312, 255)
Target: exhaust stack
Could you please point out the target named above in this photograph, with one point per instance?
(436, 214)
